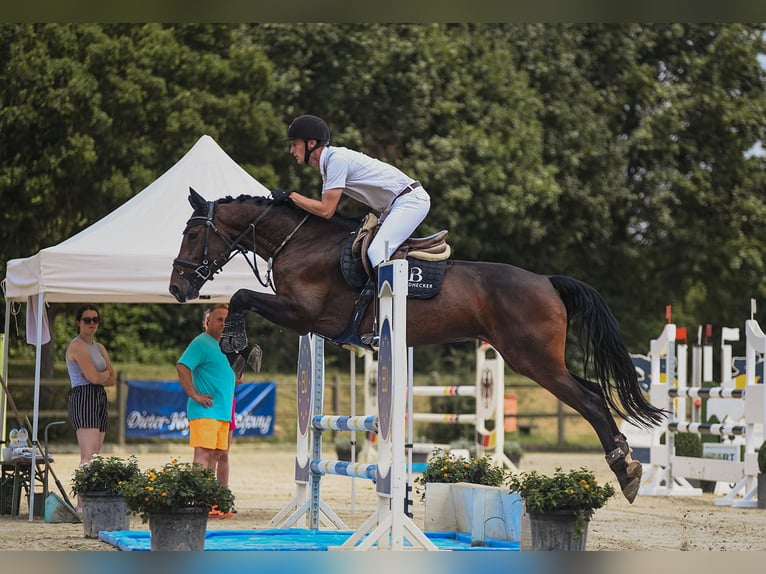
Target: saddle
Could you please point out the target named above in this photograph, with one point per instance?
(427, 257)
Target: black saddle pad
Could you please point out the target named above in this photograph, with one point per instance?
(425, 277)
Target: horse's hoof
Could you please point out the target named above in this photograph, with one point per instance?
(238, 366)
(254, 357)
(630, 490)
(634, 472)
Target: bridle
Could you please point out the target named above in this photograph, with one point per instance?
(206, 270)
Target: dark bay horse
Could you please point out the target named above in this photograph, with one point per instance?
(524, 316)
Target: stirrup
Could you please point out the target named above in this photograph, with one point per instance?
(370, 339)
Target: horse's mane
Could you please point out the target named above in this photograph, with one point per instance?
(338, 219)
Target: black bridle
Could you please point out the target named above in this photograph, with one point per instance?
(206, 270)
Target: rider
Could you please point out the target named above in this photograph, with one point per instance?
(402, 201)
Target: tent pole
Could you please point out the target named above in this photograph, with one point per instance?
(36, 412)
(4, 369)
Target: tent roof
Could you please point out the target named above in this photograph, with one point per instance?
(127, 256)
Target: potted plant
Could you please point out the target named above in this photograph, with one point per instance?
(560, 506)
(467, 495)
(445, 468)
(175, 500)
(98, 486)
(762, 475)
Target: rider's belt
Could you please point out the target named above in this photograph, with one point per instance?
(409, 188)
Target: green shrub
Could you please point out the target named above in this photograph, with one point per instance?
(444, 468)
(175, 486)
(688, 444)
(104, 474)
(762, 458)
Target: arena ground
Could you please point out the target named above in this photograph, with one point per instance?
(262, 481)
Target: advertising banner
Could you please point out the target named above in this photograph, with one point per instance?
(157, 409)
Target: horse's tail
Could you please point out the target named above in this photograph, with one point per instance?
(603, 346)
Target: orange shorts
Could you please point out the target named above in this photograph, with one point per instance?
(209, 433)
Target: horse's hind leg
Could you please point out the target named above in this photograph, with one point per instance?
(586, 398)
(627, 470)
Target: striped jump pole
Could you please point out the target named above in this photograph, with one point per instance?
(708, 428)
(488, 392)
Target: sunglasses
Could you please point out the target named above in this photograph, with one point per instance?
(90, 320)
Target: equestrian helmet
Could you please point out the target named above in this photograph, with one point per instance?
(309, 128)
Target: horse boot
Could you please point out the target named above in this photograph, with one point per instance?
(250, 355)
(627, 470)
(351, 333)
(233, 338)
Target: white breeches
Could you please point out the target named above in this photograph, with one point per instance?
(403, 218)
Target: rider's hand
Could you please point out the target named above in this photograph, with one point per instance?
(280, 195)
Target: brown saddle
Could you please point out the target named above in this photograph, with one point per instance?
(431, 248)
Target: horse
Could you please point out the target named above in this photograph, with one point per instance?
(525, 316)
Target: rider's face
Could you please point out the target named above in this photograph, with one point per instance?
(298, 150)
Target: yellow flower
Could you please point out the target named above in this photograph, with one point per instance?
(164, 494)
(150, 488)
(587, 486)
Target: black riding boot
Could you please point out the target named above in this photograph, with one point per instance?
(351, 333)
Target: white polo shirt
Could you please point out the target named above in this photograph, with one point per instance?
(364, 178)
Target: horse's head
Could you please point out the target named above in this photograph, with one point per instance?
(205, 249)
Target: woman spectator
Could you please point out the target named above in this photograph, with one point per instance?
(90, 370)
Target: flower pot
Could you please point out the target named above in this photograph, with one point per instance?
(479, 510)
(439, 508)
(556, 530)
(183, 529)
(103, 511)
(761, 490)
(487, 512)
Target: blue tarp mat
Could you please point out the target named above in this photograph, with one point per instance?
(290, 539)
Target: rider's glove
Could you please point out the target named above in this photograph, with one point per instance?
(280, 195)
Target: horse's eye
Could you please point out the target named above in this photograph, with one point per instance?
(193, 235)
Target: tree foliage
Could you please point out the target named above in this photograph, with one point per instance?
(617, 153)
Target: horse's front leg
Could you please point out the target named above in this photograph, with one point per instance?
(273, 308)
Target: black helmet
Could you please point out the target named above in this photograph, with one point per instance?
(309, 128)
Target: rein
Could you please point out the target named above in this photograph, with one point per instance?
(205, 271)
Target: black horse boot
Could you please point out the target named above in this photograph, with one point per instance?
(233, 338)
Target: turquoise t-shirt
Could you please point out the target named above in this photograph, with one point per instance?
(212, 375)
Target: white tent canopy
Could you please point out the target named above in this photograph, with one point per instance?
(127, 256)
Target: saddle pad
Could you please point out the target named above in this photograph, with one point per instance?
(425, 278)
(424, 281)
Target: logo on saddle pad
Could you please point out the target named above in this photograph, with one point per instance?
(426, 257)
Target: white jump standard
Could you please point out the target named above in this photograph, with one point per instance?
(388, 528)
(667, 474)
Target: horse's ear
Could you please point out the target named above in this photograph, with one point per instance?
(198, 202)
